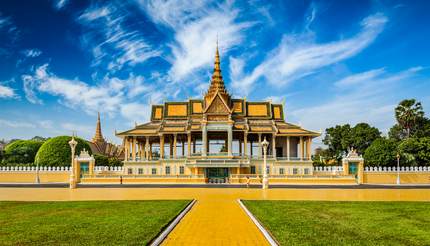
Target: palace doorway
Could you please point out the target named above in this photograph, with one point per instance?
(217, 175)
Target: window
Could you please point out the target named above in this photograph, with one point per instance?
(130, 171)
(295, 171)
(167, 170)
(306, 170)
(252, 169)
(181, 170)
(268, 170)
(140, 170)
(154, 171)
(281, 171)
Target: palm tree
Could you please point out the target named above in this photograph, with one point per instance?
(407, 113)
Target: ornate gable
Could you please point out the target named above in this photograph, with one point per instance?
(217, 106)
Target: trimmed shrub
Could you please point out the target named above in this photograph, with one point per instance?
(21, 151)
(56, 151)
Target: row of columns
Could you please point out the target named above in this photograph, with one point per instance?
(304, 150)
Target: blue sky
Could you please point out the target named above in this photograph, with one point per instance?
(329, 62)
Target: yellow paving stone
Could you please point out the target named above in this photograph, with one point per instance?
(217, 218)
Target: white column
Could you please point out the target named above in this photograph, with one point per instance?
(245, 143)
(161, 146)
(274, 145)
(259, 145)
(126, 149)
(133, 149)
(189, 144)
(174, 145)
(204, 140)
(229, 140)
(147, 148)
(301, 148)
(288, 147)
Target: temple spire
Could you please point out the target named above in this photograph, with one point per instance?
(98, 137)
(217, 82)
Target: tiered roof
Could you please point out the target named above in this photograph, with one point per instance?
(218, 106)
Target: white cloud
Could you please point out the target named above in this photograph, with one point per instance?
(78, 128)
(59, 4)
(130, 97)
(369, 96)
(297, 56)
(196, 25)
(32, 52)
(16, 124)
(7, 92)
(107, 33)
(136, 112)
(360, 77)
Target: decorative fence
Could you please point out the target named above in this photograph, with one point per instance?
(33, 169)
(108, 169)
(329, 169)
(394, 169)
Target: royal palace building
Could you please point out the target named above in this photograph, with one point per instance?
(217, 139)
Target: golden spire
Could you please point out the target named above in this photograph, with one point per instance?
(217, 82)
(98, 137)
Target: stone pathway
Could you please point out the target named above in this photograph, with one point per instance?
(215, 221)
(217, 218)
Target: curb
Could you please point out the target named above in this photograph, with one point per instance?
(163, 235)
(266, 234)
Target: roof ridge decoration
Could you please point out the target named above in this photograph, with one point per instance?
(217, 85)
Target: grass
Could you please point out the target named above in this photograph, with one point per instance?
(85, 222)
(344, 223)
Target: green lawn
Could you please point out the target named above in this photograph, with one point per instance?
(344, 223)
(85, 222)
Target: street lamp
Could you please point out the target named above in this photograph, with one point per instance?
(37, 171)
(398, 168)
(265, 179)
(72, 144)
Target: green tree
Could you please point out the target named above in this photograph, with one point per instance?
(39, 138)
(382, 152)
(101, 160)
(415, 151)
(340, 138)
(322, 157)
(421, 129)
(21, 152)
(56, 151)
(407, 113)
(362, 136)
(115, 162)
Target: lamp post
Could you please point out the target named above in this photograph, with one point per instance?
(398, 168)
(37, 171)
(265, 179)
(72, 144)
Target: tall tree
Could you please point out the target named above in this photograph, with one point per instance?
(340, 138)
(408, 112)
(362, 136)
(382, 152)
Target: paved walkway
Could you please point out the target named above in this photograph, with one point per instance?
(217, 218)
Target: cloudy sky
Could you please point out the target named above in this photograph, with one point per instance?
(329, 62)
